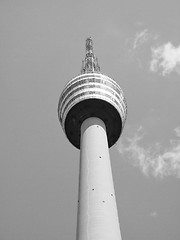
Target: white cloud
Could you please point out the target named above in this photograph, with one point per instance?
(150, 160)
(153, 214)
(140, 38)
(139, 46)
(165, 58)
(177, 131)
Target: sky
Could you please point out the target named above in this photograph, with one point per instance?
(42, 44)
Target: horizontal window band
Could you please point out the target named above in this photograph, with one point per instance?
(117, 106)
(90, 86)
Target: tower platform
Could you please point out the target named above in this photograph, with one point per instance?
(92, 95)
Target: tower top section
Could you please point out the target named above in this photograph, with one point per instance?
(90, 63)
(92, 94)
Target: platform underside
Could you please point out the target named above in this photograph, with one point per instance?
(93, 108)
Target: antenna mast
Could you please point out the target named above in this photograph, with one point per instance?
(90, 64)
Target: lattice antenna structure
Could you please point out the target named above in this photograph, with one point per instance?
(90, 64)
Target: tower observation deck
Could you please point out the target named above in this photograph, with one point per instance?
(92, 94)
(92, 111)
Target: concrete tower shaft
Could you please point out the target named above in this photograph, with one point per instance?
(97, 210)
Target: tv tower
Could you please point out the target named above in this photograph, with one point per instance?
(92, 111)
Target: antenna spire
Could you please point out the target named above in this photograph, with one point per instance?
(90, 64)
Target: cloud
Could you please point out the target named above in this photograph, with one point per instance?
(153, 214)
(143, 37)
(140, 38)
(177, 131)
(165, 58)
(139, 46)
(150, 160)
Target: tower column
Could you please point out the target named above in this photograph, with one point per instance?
(92, 111)
(97, 210)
